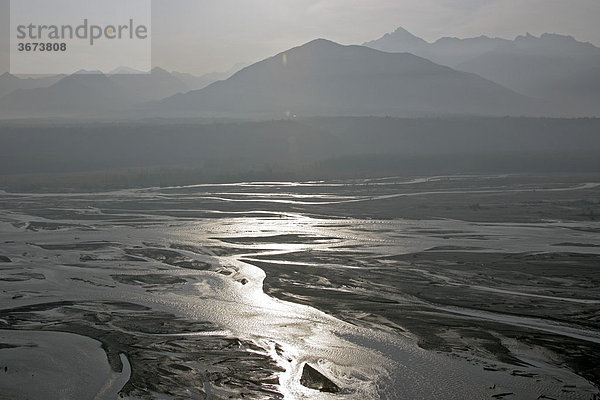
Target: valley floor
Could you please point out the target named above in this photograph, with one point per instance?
(432, 287)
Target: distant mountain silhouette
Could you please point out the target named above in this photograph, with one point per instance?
(9, 83)
(400, 40)
(156, 85)
(326, 78)
(198, 82)
(93, 93)
(126, 70)
(77, 94)
(534, 66)
(445, 51)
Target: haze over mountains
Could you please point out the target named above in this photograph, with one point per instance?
(554, 67)
(77, 94)
(91, 93)
(326, 78)
(319, 108)
(9, 83)
(396, 75)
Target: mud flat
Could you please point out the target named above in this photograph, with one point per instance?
(41, 364)
(512, 308)
(164, 354)
(443, 287)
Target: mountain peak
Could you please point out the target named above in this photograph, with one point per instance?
(321, 43)
(401, 31)
(320, 46)
(159, 70)
(404, 35)
(86, 77)
(322, 77)
(556, 44)
(557, 36)
(526, 37)
(563, 39)
(399, 39)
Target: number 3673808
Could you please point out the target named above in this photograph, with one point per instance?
(42, 46)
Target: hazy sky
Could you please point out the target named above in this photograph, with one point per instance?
(211, 35)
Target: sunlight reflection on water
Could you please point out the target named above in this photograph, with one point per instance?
(236, 227)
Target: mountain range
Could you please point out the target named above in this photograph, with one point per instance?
(9, 83)
(87, 93)
(396, 75)
(534, 66)
(326, 78)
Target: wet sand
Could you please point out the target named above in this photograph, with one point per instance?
(454, 287)
(52, 365)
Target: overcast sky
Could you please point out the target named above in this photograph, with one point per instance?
(200, 36)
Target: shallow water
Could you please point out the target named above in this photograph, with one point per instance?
(442, 287)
